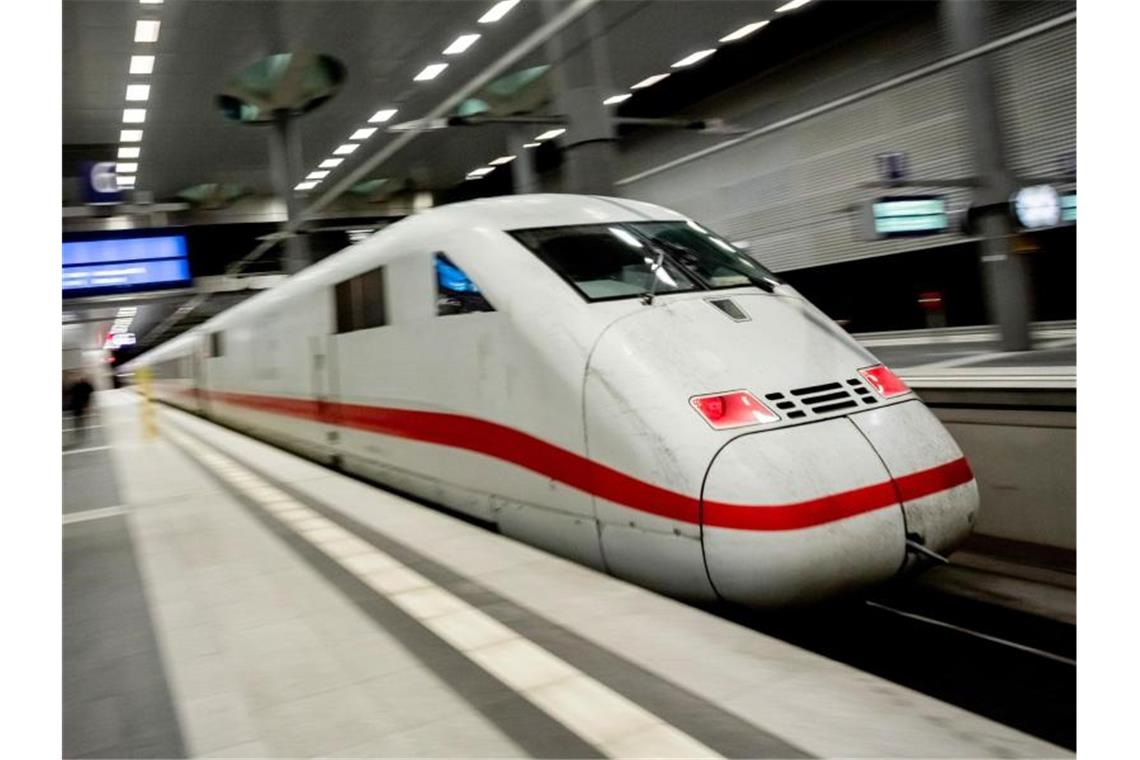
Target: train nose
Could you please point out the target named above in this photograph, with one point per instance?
(800, 513)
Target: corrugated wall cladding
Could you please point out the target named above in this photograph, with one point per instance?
(791, 194)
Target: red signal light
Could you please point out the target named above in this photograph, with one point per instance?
(732, 409)
(885, 382)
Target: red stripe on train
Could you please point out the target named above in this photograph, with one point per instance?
(516, 447)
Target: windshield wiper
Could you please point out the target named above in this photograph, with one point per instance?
(689, 258)
(648, 297)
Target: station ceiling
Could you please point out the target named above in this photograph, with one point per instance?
(383, 44)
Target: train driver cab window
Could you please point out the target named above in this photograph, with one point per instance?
(605, 261)
(455, 292)
(216, 344)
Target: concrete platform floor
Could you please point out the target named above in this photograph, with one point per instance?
(224, 598)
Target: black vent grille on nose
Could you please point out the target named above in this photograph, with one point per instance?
(825, 398)
(729, 307)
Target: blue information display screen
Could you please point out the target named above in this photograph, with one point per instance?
(914, 215)
(125, 264)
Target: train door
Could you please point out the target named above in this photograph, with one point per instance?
(323, 389)
(199, 381)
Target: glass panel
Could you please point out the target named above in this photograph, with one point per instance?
(604, 261)
(455, 292)
(344, 311)
(711, 258)
(373, 307)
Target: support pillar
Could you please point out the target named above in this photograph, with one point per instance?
(522, 168)
(1004, 273)
(286, 168)
(582, 81)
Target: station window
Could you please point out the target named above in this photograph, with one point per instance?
(360, 302)
(217, 345)
(455, 292)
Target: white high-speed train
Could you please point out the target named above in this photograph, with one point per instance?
(603, 378)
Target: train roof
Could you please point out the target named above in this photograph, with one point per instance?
(505, 213)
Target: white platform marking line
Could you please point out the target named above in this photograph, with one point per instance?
(84, 451)
(93, 514)
(977, 634)
(961, 361)
(587, 707)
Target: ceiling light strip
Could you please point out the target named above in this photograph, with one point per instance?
(530, 43)
(146, 32)
(744, 31)
(498, 10)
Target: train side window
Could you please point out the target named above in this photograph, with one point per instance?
(217, 346)
(373, 306)
(361, 302)
(345, 307)
(455, 292)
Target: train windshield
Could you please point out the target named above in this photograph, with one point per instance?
(608, 261)
(715, 262)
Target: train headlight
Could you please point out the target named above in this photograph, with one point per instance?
(732, 409)
(885, 382)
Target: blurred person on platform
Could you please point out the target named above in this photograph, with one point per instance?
(80, 400)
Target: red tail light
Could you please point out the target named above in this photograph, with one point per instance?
(732, 410)
(884, 381)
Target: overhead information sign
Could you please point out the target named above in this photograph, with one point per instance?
(912, 215)
(141, 263)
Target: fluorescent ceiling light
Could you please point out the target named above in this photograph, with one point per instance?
(480, 171)
(134, 115)
(138, 92)
(502, 160)
(317, 175)
(126, 168)
(743, 31)
(498, 10)
(382, 115)
(689, 60)
(549, 135)
(649, 81)
(331, 163)
(431, 71)
(130, 135)
(531, 145)
(345, 149)
(462, 42)
(142, 64)
(792, 5)
(306, 185)
(613, 100)
(363, 134)
(125, 180)
(150, 2)
(146, 30)
(132, 152)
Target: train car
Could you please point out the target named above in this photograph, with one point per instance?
(602, 378)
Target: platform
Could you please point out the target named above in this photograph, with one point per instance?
(224, 598)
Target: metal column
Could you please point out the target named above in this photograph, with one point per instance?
(285, 165)
(582, 81)
(522, 168)
(1005, 273)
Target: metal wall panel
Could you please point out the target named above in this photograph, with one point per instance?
(792, 195)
